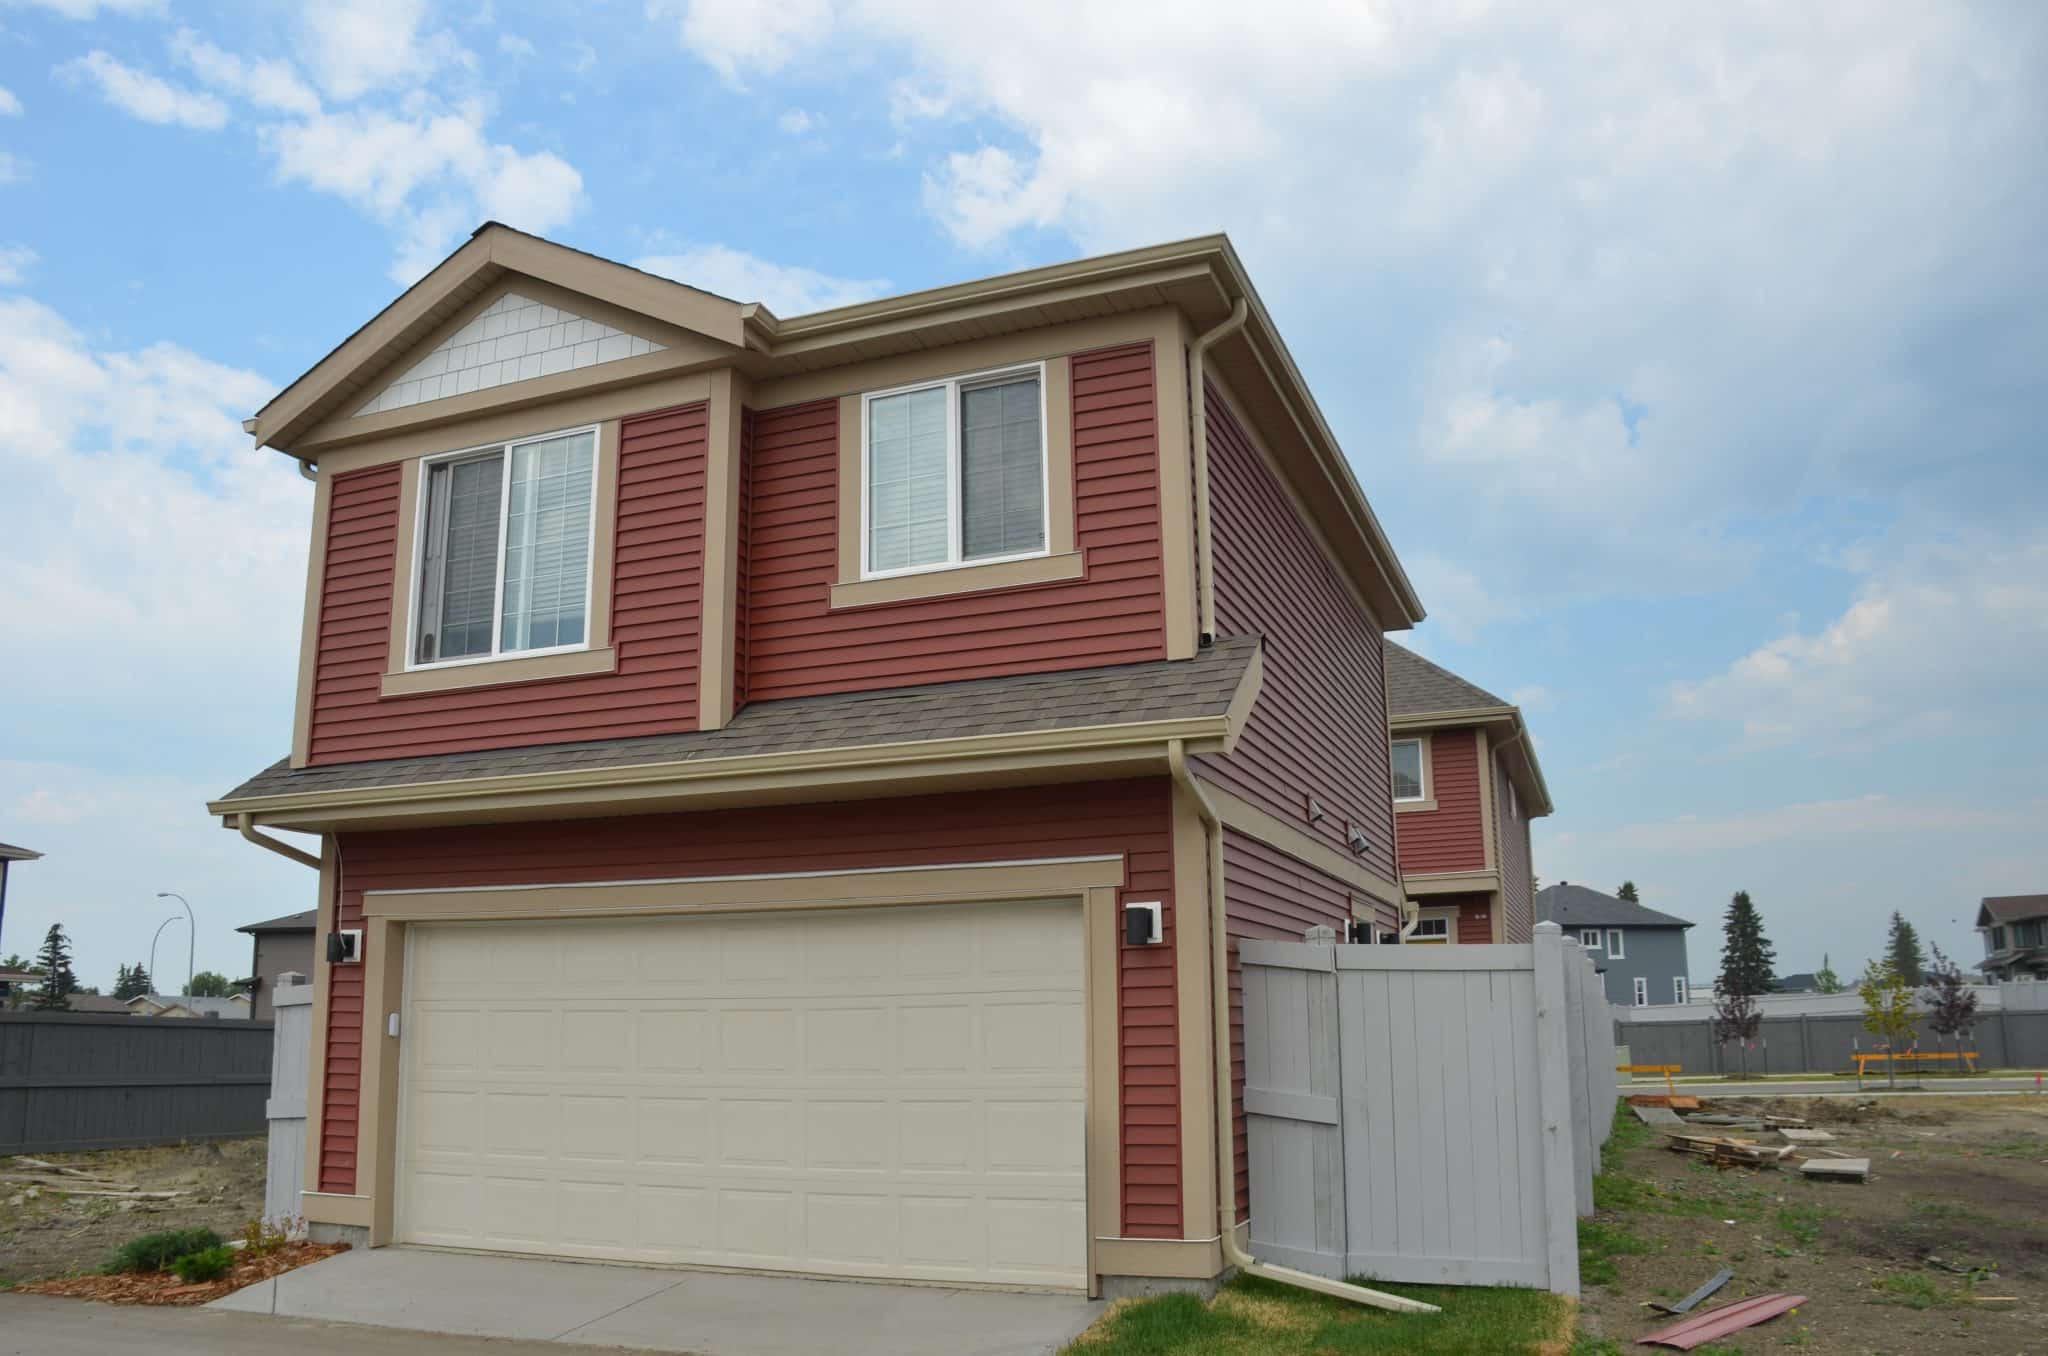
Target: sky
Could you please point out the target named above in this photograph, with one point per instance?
(1691, 355)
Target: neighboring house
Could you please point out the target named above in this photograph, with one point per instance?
(1466, 785)
(1640, 952)
(2015, 929)
(99, 1002)
(14, 984)
(278, 946)
(767, 770)
(1803, 982)
(9, 855)
(169, 1005)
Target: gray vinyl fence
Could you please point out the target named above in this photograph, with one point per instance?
(1823, 1043)
(1425, 1114)
(73, 1080)
(284, 1175)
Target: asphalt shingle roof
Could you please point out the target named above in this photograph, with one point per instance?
(1167, 689)
(2012, 908)
(1416, 687)
(309, 921)
(1569, 905)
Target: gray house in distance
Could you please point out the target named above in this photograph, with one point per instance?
(1640, 952)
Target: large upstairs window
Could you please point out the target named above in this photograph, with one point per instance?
(504, 550)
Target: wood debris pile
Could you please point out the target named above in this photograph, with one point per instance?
(36, 1175)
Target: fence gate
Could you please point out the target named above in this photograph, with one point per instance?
(1425, 1114)
(285, 1172)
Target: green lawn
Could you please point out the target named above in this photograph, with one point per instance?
(1254, 1316)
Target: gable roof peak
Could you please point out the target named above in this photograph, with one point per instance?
(1417, 687)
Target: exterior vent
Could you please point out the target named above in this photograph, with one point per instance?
(1355, 836)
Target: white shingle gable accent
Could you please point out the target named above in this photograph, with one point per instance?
(513, 339)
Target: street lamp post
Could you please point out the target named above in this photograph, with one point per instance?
(192, 938)
(152, 949)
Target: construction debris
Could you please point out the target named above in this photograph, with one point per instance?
(1718, 1323)
(1806, 1136)
(1663, 1117)
(1837, 1169)
(1721, 1151)
(1780, 1122)
(1728, 1122)
(59, 1180)
(1691, 1302)
(1676, 1102)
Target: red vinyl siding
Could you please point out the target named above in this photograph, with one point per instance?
(1319, 727)
(1268, 894)
(1132, 818)
(1475, 915)
(657, 581)
(798, 646)
(1452, 837)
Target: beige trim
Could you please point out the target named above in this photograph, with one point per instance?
(1061, 562)
(719, 616)
(521, 420)
(309, 624)
(1239, 712)
(1008, 574)
(1176, 487)
(1248, 818)
(1093, 882)
(326, 1207)
(1453, 882)
(1496, 906)
(1492, 829)
(597, 657)
(1428, 802)
(1178, 1258)
(324, 906)
(1193, 999)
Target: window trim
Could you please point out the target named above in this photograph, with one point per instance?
(415, 576)
(1421, 768)
(1594, 933)
(1615, 949)
(1642, 991)
(956, 522)
(1679, 993)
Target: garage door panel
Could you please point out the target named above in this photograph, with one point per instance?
(892, 1092)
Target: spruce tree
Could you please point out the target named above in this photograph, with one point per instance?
(54, 960)
(1746, 961)
(132, 983)
(1902, 949)
(1627, 892)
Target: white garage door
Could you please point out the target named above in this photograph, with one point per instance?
(872, 1092)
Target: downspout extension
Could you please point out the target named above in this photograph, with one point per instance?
(247, 825)
(310, 470)
(1198, 417)
(1226, 1147)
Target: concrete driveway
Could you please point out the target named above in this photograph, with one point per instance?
(699, 1312)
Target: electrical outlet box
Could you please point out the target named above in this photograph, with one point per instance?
(345, 947)
(1142, 925)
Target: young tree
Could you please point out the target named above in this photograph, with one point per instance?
(1826, 978)
(1887, 1011)
(133, 982)
(54, 960)
(1737, 1018)
(207, 984)
(1627, 892)
(1902, 950)
(1746, 960)
(1951, 1001)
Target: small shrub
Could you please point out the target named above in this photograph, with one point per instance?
(196, 1268)
(156, 1252)
(261, 1237)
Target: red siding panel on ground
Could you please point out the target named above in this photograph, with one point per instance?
(658, 568)
(798, 646)
(1452, 837)
(1319, 726)
(1132, 818)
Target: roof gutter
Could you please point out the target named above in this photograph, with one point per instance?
(247, 824)
(1198, 422)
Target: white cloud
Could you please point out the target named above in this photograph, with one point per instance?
(1534, 697)
(268, 84)
(10, 107)
(736, 35)
(92, 9)
(13, 169)
(355, 47)
(142, 95)
(1861, 816)
(796, 122)
(15, 262)
(785, 290)
(512, 45)
(1939, 637)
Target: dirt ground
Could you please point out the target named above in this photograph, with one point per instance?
(1963, 1180)
(43, 1234)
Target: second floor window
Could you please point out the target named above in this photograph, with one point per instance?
(504, 555)
(1407, 759)
(955, 473)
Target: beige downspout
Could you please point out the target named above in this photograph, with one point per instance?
(247, 825)
(1198, 418)
(1226, 1148)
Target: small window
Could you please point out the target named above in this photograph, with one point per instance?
(955, 473)
(1642, 992)
(1431, 931)
(1590, 938)
(1614, 943)
(2027, 934)
(504, 550)
(1678, 988)
(1407, 762)
(1998, 939)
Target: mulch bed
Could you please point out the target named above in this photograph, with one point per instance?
(164, 1287)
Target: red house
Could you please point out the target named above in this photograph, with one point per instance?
(783, 784)
(1466, 785)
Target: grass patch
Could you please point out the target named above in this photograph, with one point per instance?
(1614, 1191)
(2025, 1147)
(1600, 1242)
(1915, 1290)
(1255, 1316)
(1802, 1222)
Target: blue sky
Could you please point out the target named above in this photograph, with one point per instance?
(1693, 362)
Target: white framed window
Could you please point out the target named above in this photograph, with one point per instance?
(502, 564)
(1614, 943)
(1589, 938)
(1431, 930)
(1678, 994)
(953, 472)
(1406, 758)
(1642, 992)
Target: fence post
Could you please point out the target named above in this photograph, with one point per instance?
(1553, 1082)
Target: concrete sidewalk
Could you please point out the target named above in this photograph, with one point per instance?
(699, 1312)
